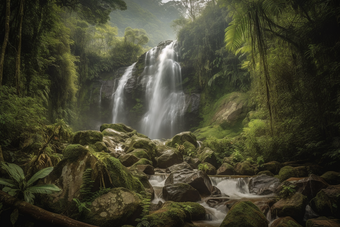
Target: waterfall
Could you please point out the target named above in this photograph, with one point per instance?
(118, 115)
(164, 93)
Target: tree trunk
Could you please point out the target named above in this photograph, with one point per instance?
(40, 215)
(4, 44)
(17, 62)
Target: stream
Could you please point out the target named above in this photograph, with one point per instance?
(233, 188)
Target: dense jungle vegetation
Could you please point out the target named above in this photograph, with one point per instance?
(281, 58)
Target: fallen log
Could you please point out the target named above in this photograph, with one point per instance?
(40, 215)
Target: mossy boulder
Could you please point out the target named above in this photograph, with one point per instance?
(74, 151)
(117, 136)
(189, 148)
(115, 208)
(244, 214)
(226, 169)
(128, 159)
(209, 155)
(266, 172)
(263, 185)
(99, 147)
(244, 168)
(327, 201)
(285, 222)
(136, 142)
(193, 162)
(140, 153)
(323, 222)
(142, 161)
(183, 165)
(176, 214)
(147, 169)
(293, 206)
(169, 158)
(180, 192)
(181, 138)
(207, 168)
(289, 171)
(118, 127)
(87, 137)
(331, 177)
(273, 166)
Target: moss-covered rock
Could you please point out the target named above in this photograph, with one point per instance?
(273, 166)
(142, 161)
(266, 172)
(244, 168)
(73, 151)
(226, 169)
(117, 136)
(189, 148)
(128, 159)
(208, 155)
(99, 147)
(176, 214)
(87, 137)
(285, 222)
(289, 171)
(180, 192)
(244, 214)
(179, 166)
(193, 162)
(181, 138)
(141, 143)
(323, 222)
(293, 207)
(117, 127)
(140, 153)
(327, 201)
(331, 177)
(115, 208)
(169, 158)
(207, 168)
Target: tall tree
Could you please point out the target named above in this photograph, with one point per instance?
(4, 45)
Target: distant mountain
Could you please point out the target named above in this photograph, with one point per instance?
(153, 16)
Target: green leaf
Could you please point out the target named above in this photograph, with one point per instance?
(14, 171)
(40, 174)
(43, 189)
(7, 182)
(14, 216)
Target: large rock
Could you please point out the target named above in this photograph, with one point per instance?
(169, 158)
(327, 201)
(74, 151)
(180, 193)
(147, 169)
(196, 178)
(136, 142)
(273, 166)
(226, 169)
(263, 185)
(285, 222)
(308, 186)
(117, 207)
(323, 222)
(289, 171)
(244, 168)
(117, 127)
(208, 155)
(140, 153)
(181, 138)
(193, 162)
(207, 168)
(331, 177)
(128, 159)
(244, 214)
(293, 207)
(179, 166)
(117, 136)
(87, 137)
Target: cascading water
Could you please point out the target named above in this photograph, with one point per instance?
(166, 99)
(118, 114)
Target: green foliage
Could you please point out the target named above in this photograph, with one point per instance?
(203, 167)
(222, 147)
(180, 148)
(143, 221)
(260, 161)
(287, 190)
(19, 186)
(237, 156)
(20, 117)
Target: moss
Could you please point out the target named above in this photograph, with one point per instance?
(73, 151)
(142, 143)
(244, 213)
(266, 172)
(190, 149)
(99, 147)
(140, 153)
(87, 137)
(331, 177)
(218, 132)
(286, 172)
(285, 222)
(181, 138)
(117, 127)
(327, 201)
(142, 161)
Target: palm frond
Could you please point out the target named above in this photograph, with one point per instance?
(14, 171)
(39, 175)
